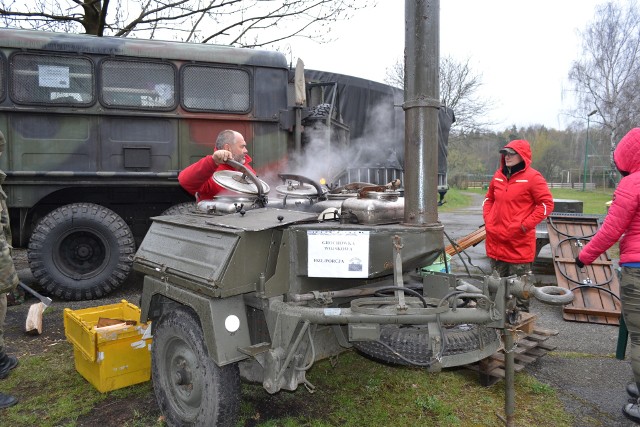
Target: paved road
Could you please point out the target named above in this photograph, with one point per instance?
(583, 369)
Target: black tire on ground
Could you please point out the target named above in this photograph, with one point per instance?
(81, 251)
(190, 388)
(180, 209)
(412, 343)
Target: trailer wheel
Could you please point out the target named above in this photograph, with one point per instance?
(81, 251)
(180, 208)
(190, 388)
(409, 344)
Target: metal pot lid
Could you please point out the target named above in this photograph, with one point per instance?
(382, 195)
(233, 198)
(295, 188)
(341, 196)
(237, 181)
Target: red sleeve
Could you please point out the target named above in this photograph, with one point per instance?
(621, 213)
(543, 201)
(196, 178)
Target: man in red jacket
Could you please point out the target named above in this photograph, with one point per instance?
(197, 178)
(517, 200)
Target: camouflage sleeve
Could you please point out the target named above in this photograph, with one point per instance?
(4, 221)
(8, 275)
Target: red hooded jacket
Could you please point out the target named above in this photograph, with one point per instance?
(512, 209)
(198, 177)
(624, 213)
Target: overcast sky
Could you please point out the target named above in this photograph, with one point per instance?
(522, 49)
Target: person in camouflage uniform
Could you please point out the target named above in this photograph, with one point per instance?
(8, 282)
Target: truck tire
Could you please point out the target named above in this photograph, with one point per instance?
(191, 390)
(412, 343)
(180, 208)
(81, 251)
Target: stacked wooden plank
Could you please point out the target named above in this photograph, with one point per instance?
(470, 239)
(530, 346)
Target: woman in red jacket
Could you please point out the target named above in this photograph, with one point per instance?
(197, 178)
(517, 200)
(623, 220)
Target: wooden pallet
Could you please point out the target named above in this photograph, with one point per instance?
(530, 346)
(596, 304)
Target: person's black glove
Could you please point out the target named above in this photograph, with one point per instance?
(579, 263)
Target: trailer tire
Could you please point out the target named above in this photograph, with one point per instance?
(191, 390)
(412, 343)
(81, 251)
(553, 295)
(180, 208)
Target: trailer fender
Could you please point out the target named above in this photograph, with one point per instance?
(223, 320)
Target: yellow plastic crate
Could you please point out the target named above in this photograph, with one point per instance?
(109, 358)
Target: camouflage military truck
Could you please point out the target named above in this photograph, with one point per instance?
(99, 127)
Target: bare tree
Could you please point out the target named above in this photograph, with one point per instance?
(394, 75)
(459, 86)
(244, 23)
(606, 78)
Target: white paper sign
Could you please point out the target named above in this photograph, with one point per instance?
(338, 253)
(53, 76)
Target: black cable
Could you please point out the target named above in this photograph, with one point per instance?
(449, 295)
(455, 246)
(581, 285)
(380, 292)
(562, 272)
(444, 259)
(550, 221)
(462, 251)
(598, 288)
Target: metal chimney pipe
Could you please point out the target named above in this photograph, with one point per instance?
(421, 104)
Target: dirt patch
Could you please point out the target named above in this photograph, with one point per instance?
(119, 412)
(113, 411)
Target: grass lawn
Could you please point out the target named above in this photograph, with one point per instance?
(456, 199)
(594, 202)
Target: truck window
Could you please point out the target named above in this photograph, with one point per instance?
(49, 79)
(137, 84)
(3, 77)
(97, 130)
(216, 89)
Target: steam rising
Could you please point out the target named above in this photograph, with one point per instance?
(380, 146)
